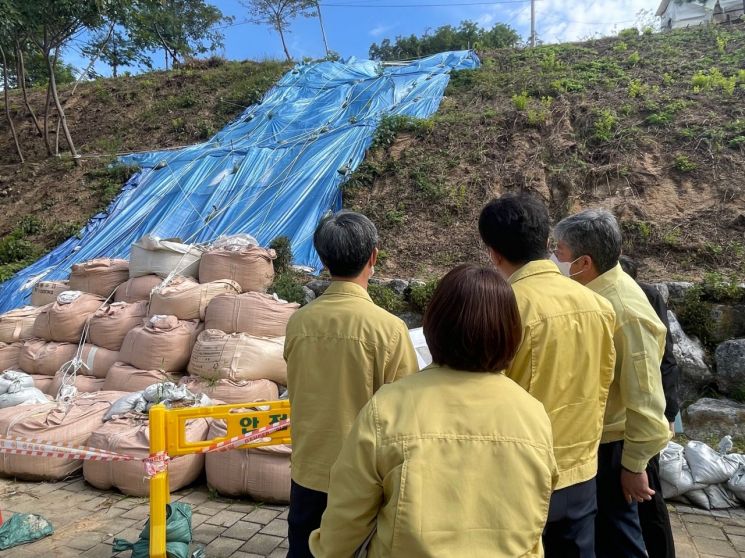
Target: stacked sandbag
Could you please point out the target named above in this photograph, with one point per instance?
(233, 391)
(83, 383)
(46, 292)
(110, 324)
(18, 324)
(70, 424)
(43, 383)
(17, 388)
(251, 267)
(130, 435)
(257, 314)
(65, 320)
(100, 276)
(186, 299)
(237, 356)
(137, 288)
(123, 377)
(154, 256)
(42, 358)
(162, 343)
(262, 474)
(10, 354)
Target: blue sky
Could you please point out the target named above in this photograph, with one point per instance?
(351, 30)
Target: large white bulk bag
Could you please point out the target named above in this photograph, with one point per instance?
(45, 358)
(46, 292)
(162, 343)
(130, 435)
(257, 314)
(10, 354)
(123, 377)
(110, 325)
(100, 276)
(65, 320)
(155, 256)
(18, 324)
(232, 391)
(71, 424)
(137, 288)
(262, 474)
(237, 356)
(251, 267)
(186, 299)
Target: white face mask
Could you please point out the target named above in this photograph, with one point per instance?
(565, 267)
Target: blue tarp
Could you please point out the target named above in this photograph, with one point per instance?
(273, 171)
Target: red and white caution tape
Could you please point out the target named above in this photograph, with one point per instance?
(247, 438)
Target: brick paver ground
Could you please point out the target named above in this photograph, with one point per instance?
(86, 521)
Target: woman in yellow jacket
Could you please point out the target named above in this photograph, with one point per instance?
(455, 461)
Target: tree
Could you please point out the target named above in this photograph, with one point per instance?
(49, 26)
(277, 14)
(467, 35)
(181, 28)
(9, 23)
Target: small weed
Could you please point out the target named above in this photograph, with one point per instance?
(390, 126)
(550, 63)
(604, 125)
(630, 33)
(395, 217)
(386, 299)
(633, 59)
(722, 43)
(737, 142)
(713, 79)
(684, 164)
(620, 46)
(287, 287)
(667, 79)
(420, 295)
(521, 101)
(637, 88)
(281, 245)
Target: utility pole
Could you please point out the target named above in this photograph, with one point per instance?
(532, 23)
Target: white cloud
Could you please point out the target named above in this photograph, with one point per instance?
(380, 29)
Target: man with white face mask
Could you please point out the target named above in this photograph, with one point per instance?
(635, 429)
(565, 360)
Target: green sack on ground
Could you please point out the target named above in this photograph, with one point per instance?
(24, 528)
(178, 534)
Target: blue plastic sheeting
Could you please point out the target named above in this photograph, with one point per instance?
(273, 171)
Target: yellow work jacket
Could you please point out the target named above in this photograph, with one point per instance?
(636, 403)
(565, 360)
(340, 349)
(442, 463)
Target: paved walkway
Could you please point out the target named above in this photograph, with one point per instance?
(86, 521)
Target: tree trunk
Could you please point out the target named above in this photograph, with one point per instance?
(284, 45)
(7, 106)
(22, 79)
(113, 70)
(60, 110)
(46, 120)
(323, 31)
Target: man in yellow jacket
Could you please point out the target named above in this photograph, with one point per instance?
(340, 349)
(635, 429)
(565, 361)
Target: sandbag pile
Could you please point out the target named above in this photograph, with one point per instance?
(18, 325)
(17, 388)
(161, 343)
(250, 266)
(130, 435)
(262, 474)
(154, 256)
(700, 476)
(137, 288)
(238, 356)
(257, 314)
(65, 320)
(186, 299)
(100, 276)
(51, 422)
(46, 292)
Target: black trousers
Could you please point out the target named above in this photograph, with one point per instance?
(618, 533)
(654, 518)
(570, 530)
(306, 509)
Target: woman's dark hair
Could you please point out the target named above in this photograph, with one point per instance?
(472, 322)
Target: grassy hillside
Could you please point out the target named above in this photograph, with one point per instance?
(47, 200)
(651, 127)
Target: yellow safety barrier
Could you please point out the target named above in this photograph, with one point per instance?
(168, 440)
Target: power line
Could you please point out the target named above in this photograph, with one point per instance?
(424, 5)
